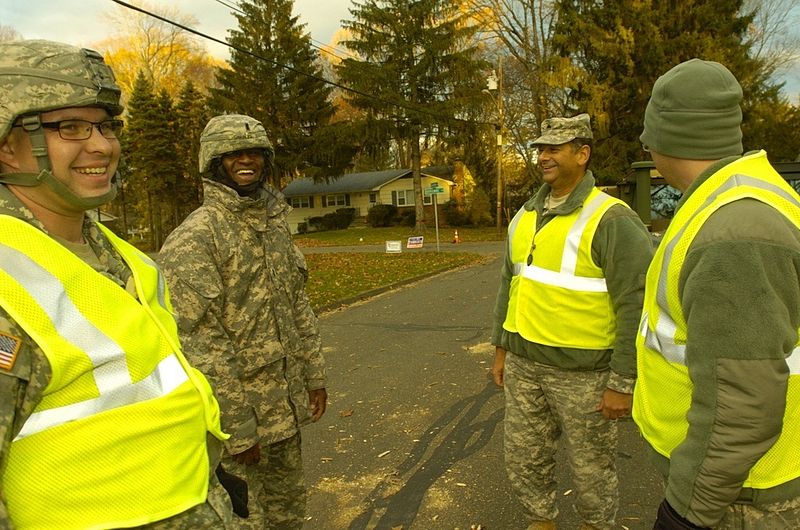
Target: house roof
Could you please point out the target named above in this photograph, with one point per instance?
(351, 182)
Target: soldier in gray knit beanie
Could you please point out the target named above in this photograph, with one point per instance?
(694, 113)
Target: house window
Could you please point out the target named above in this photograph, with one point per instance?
(405, 198)
(373, 197)
(300, 202)
(427, 199)
(336, 200)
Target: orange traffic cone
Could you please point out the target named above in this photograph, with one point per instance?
(456, 239)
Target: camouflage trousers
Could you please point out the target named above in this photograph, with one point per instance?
(542, 404)
(776, 516)
(276, 487)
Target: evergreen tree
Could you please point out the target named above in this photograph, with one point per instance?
(279, 83)
(191, 116)
(613, 51)
(149, 147)
(167, 172)
(416, 70)
(135, 163)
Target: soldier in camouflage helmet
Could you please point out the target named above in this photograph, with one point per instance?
(105, 424)
(565, 325)
(238, 284)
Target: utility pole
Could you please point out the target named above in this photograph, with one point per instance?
(495, 82)
(500, 122)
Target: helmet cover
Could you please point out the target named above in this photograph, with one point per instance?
(231, 132)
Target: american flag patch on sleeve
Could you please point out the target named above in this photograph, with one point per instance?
(9, 347)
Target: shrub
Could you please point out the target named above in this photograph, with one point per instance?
(453, 213)
(381, 215)
(302, 228)
(344, 217)
(408, 218)
(480, 210)
(315, 223)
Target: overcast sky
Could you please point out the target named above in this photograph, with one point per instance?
(80, 22)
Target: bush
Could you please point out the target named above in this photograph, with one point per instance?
(302, 228)
(381, 215)
(344, 217)
(315, 223)
(408, 218)
(480, 210)
(454, 215)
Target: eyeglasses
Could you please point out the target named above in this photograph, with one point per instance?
(82, 129)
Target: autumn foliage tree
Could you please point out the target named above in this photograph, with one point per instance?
(165, 54)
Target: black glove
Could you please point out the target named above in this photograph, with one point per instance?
(237, 490)
(668, 519)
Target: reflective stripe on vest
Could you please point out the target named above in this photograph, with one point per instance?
(111, 372)
(569, 259)
(662, 338)
(663, 393)
(561, 279)
(118, 438)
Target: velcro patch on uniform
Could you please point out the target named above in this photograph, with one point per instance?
(9, 347)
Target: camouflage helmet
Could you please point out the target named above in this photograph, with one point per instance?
(231, 132)
(38, 76)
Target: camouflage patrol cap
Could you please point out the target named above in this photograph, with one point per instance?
(231, 132)
(38, 76)
(557, 131)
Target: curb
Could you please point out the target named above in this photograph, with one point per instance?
(380, 290)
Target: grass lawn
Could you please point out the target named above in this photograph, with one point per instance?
(377, 236)
(338, 276)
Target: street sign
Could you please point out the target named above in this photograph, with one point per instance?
(433, 190)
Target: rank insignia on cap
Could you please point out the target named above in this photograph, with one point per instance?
(9, 347)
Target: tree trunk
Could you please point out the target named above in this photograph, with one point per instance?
(419, 206)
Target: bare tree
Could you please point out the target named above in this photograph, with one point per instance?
(167, 54)
(774, 37)
(521, 31)
(8, 33)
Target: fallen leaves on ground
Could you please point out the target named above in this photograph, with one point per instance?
(340, 276)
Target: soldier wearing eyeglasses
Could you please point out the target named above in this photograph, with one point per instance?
(103, 423)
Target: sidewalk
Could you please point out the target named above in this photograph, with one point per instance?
(480, 247)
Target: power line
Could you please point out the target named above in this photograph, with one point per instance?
(287, 67)
(324, 48)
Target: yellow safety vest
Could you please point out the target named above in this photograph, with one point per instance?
(119, 438)
(558, 295)
(663, 389)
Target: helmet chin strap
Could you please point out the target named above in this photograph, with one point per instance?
(32, 124)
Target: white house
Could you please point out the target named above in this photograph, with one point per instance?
(362, 191)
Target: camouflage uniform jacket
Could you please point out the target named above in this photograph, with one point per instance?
(238, 287)
(22, 386)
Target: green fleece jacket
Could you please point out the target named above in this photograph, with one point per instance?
(622, 248)
(740, 291)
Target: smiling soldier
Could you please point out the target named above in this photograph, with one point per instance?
(565, 327)
(238, 284)
(103, 423)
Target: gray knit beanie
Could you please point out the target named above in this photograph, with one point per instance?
(694, 113)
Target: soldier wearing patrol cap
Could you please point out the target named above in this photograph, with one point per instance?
(104, 422)
(565, 326)
(238, 284)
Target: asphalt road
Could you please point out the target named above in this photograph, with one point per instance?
(412, 438)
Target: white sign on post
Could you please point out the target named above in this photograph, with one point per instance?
(394, 247)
